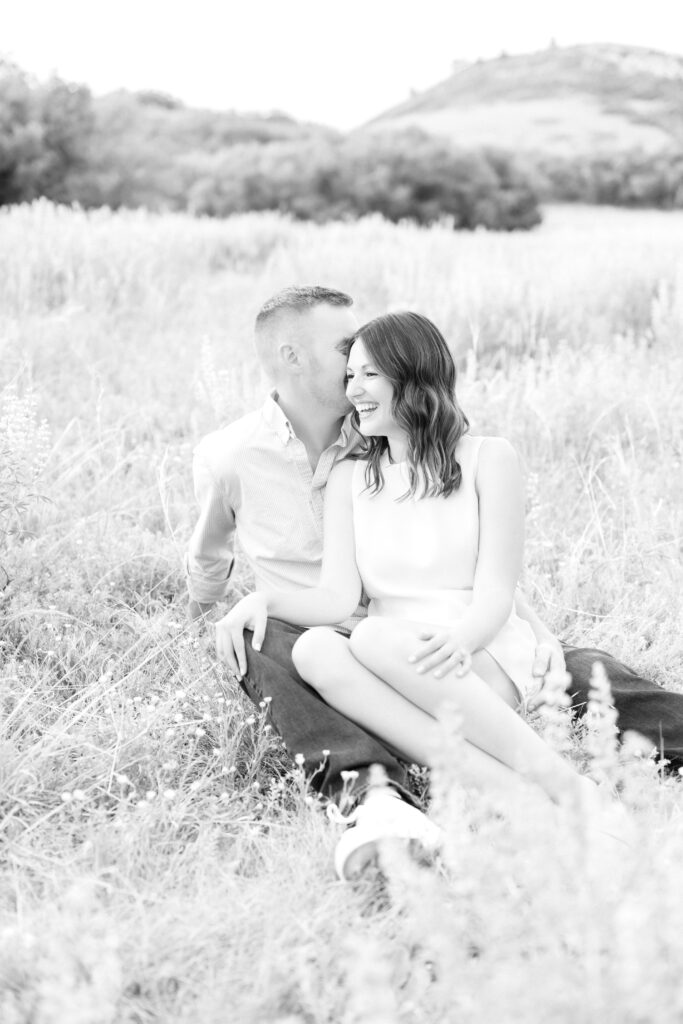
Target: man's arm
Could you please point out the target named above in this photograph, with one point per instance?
(549, 654)
(210, 556)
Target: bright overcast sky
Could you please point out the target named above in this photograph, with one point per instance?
(338, 63)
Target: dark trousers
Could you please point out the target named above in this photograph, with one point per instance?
(333, 745)
(641, 705)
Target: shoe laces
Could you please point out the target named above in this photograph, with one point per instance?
(336, 816)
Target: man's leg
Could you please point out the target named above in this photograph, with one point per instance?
(641, 705)
(330, 743)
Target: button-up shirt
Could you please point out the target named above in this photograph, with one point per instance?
(253, 481)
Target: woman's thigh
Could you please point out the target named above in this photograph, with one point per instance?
(383, 643)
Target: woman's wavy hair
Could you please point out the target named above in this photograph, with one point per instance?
(413, 355)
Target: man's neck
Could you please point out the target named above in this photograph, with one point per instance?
(316, 427)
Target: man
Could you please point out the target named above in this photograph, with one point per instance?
(262, 478)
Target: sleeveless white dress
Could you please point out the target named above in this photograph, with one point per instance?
(417, 557)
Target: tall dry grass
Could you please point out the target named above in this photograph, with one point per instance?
(162, 860)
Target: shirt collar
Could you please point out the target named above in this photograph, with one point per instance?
(275, 418)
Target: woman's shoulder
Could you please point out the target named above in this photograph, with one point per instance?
(484, 452)
(475, 444)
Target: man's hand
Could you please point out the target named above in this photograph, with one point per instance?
(548, 658)
(441, 651)
(249, 613)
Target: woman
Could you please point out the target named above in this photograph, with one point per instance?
(430, 522)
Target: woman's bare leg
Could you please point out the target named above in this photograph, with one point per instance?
(383, 646)
(324, 659)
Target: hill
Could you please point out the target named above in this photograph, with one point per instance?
(597, 99)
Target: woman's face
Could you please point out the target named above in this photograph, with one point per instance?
(369, 392)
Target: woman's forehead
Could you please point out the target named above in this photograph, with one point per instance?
(358, 356)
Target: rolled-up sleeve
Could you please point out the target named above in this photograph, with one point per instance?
(210, 554)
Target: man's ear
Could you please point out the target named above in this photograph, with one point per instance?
(289, 356)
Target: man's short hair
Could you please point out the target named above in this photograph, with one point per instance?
(301, 298)
(272, 318)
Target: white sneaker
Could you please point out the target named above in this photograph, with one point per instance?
(381, 816)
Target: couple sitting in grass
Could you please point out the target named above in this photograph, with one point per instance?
(359, 476)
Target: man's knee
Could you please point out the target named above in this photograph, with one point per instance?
(316, 656)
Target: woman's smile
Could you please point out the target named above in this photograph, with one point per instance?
(365, 410)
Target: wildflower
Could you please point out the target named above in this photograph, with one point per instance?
(78, 794)
(169, 794)
(66, 797)
(300, 759)
(555, 711)
(601, 724)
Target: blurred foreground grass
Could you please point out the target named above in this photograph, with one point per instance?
(161, 859)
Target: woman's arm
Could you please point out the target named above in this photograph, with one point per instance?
(499, 562)
(501, 543)
(333, 600)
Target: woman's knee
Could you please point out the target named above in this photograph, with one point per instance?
(316, 656)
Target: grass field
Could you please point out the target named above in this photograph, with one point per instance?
(162, 860)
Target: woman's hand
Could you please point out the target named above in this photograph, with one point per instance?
(443, 651)
(249, 613)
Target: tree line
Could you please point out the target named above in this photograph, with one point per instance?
(147, 149)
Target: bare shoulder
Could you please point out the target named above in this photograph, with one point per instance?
(497, 451)
(488, 448)
(497, 461)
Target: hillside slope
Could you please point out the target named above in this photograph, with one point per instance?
(597, 98)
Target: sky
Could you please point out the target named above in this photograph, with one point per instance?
(338, 63)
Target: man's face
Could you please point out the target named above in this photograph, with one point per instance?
(326, 327)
